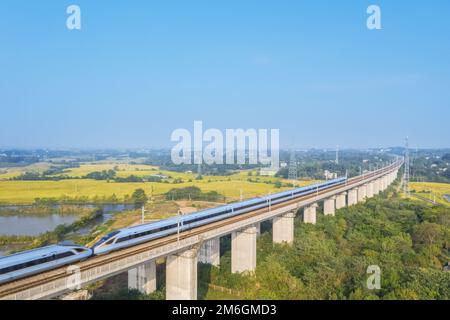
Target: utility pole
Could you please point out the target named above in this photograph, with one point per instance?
(337, 154)
(178, 228)
(292, 174)
(406, 176)
(143, 214)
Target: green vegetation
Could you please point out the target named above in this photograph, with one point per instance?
(52, 237)
(409, 240)
(193, 193)
(431, 167)
(431, 191)
(139, 198)
(39, 209)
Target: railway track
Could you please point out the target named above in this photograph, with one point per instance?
(97, 261)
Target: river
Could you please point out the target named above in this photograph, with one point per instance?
(29, 225)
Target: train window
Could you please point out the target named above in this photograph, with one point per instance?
(6, 270)
(109, 242)
(63, 255)
(123, 239)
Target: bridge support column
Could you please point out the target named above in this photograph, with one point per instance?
(381, 181)
(329, 206)
(181, 276)
(386, 182)
(309, 214)
(362, 193)
(243, 250)
(283, 228)
(341, 200)
(376, 187)
(258, 228)
(143, 278)
(353, 196)
(369, 190)
(210, 252)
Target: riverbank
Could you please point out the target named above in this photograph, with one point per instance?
(20, 243)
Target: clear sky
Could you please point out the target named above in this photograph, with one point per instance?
(137, 70)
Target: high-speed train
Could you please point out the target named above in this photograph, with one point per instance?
(130, 236)
(34, 261)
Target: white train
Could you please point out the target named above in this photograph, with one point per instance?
(34, 261)
(127, 237)
(31, 262)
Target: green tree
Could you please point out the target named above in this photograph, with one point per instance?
(139, 198)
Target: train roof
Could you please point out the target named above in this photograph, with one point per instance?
(35, 253)
(193, 215)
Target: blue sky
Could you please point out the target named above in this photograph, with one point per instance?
(137, 70)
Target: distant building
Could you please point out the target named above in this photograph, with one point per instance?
(161, 176)
(268, 172)
(329, 175)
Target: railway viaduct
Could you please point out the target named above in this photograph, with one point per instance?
(184, 250)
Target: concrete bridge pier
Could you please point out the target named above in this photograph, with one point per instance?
(329, 206)
(361, 193)
(243, 250)
(353, 196)
(341, 200)
(181, 276)
(393, 176)
(370, 190)
(382, 186)
(376, 187)
(283, 228)
(210, 252)
(309, 214)
(258, 228)
(143, 278)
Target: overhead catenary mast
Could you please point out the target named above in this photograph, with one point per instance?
(406, 190)
(292, 174)
(337, 154)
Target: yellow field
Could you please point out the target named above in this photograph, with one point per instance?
(230, 186)
(8, 173)
(26, 191)
(432, 190)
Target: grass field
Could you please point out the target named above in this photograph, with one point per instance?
(432, 190)
(23, 192)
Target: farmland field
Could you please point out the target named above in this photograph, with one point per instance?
(23, 192)
(432, 191)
